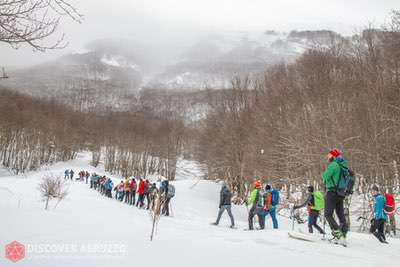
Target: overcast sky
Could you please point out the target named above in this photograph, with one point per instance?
(181, 20)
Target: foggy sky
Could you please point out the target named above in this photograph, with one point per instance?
(182, 21)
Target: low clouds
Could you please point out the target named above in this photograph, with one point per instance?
(181, 21)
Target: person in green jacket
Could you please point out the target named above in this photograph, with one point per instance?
(334, 202)
(255, 200)
(314, 203)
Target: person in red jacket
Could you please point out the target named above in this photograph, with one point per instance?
(140, 191)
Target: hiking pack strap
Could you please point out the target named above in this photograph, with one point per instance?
(340, 176)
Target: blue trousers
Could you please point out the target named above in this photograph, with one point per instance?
(271, 212)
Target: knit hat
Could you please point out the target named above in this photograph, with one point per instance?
(375, 188)
(268, 187)
(257, 184)
(310, 188)
(335, 153)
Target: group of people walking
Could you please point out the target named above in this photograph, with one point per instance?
(261, 202)
(136, 192)
(338, 181)
(82, 175)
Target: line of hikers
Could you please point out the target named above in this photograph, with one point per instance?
(261, 202)
(338, 180)
(127, 190)
(82, 175)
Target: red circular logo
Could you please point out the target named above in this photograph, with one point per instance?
(15, 251)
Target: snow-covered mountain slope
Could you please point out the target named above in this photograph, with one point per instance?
(75, 72)
(215, 59)
(209, 61)
(69, 234)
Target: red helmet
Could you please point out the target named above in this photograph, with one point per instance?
(257, 184)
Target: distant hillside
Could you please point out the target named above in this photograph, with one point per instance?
(213, 61)
(111, 71)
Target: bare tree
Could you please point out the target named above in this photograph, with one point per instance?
(52, 187)
(33, 21)
(155, 213)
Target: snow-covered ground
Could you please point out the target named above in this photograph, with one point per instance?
(88, 229)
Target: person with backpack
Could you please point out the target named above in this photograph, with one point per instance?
(379, 215)
(66, 174)
(127, 193)
(71, 175)
(225, 204)
(335, 194)
(94, 180)
(314, 203)
(81, 175)
(271, 200)
(390, 210)
(121, 191)
(167, 191)
(102, 184)
(116, 192)
(140, 192)
(109, 187)
(147, 192)
(87, 176)
(256, 201)
(132, 191)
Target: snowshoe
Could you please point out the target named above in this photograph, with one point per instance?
(381, 238)
(338, 238)
(301, 236)
(343, 242)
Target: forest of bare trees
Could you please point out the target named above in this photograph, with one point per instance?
(34, 132)
(280, 127)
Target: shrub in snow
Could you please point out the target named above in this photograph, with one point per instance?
(52, 187)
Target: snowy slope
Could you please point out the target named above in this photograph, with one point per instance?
(86, 218)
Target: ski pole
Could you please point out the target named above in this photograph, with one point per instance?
(292, 216)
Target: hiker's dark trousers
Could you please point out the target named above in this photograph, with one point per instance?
(221, 211)
(334, 203)
(312, 221)
(256, 211)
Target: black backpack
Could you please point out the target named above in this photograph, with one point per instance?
(346, 182)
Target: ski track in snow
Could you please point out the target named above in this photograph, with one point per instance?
(185, 239)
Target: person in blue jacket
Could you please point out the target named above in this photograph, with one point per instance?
(379, 216)
(66, 174)
(109, 186)
(271, 201)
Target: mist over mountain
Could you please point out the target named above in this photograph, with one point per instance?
(124, 66)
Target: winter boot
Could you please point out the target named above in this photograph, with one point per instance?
(378, 236)
(337, 236)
